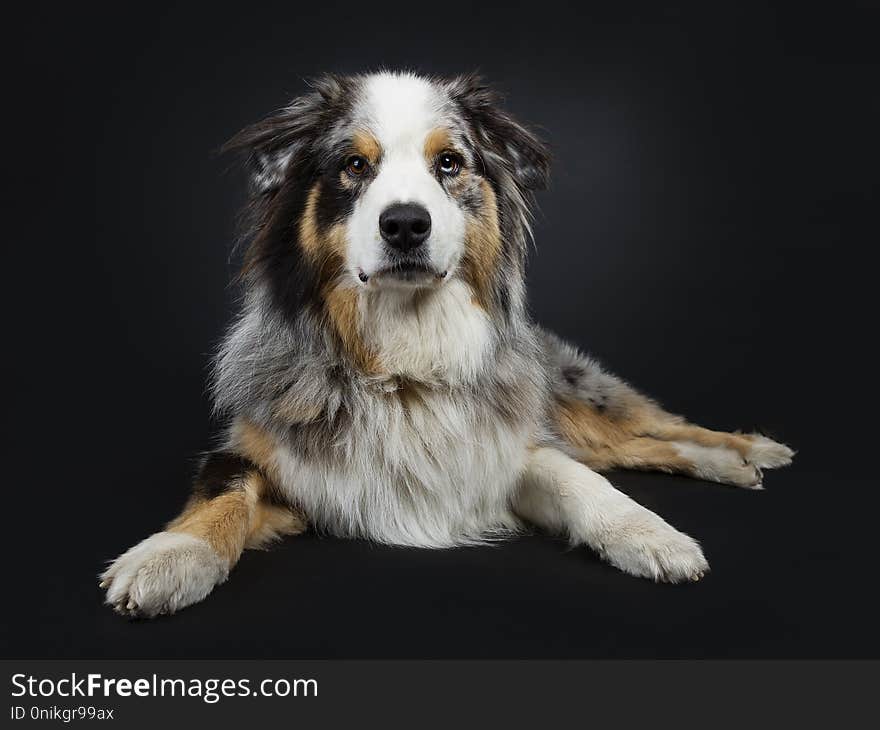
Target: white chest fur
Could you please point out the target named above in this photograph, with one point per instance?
(431, 473)
(426, 464)
(438, 335)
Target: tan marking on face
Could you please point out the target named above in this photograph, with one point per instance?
(321, 246)
(309, 236)
(327, 251)
(438, 140)
(482, 247)
(363, 143)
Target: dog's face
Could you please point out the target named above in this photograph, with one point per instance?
(392, 181)
(415, 195)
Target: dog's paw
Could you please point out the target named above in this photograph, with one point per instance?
(720, 464)
(162, 574)
(644, 545)
(766, 453)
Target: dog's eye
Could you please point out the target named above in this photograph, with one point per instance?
(449, 164)
(356, 165)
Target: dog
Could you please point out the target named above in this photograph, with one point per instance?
(383, 379)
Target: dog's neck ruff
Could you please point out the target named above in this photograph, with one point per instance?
(433, 336)
(388, 457)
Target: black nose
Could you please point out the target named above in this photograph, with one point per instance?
(405, 226)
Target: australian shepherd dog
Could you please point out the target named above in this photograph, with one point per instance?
(383, 379)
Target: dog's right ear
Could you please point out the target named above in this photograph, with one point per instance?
(269, 146)
(503, 141)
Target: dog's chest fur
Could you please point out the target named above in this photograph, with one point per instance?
(411, 467)
(444, 338)
(427, 456)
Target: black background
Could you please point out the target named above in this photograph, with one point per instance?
(708, 234)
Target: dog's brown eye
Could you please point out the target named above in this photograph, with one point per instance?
(449, 163)
(356, 165)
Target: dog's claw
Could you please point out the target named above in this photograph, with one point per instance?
(698, 575)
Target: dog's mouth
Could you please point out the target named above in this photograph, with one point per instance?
(413, 273)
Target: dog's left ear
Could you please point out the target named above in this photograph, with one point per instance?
(502, 140)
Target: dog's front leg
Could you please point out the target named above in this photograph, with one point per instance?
(231, 509)
(564, 496)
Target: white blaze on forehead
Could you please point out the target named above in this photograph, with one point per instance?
(401, 109)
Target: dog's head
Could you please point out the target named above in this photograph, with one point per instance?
(391, 182)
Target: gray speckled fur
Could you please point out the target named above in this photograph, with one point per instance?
(416, 415)
(276, 361)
